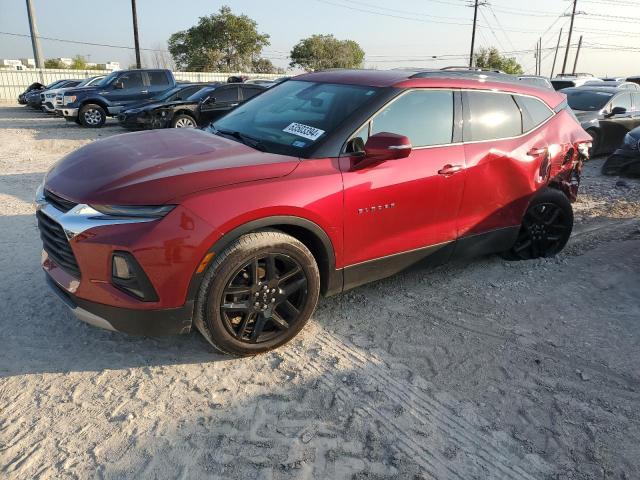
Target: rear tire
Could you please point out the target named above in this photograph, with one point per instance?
(257, 294)
(546, 227)
(92, 116)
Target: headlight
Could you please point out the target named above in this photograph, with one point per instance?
(631, 142)
(134, 211)
(69, 99)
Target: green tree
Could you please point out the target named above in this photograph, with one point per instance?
(54, 63)
(491, 59)
(264, 65)
(221, 41)
(319, 52)
(78, 63)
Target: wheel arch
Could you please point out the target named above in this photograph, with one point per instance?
(304, 230)
(95, 101)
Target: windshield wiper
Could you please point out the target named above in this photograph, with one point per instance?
(246, 139)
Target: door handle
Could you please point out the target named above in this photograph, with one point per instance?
(144, 91)
(536, 152)
(450, 170)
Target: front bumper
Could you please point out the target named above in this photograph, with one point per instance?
(69, 112)
(167, 321)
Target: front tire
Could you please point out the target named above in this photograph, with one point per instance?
(546, 227)
(258, 293)
(183, 121)
(92, 116)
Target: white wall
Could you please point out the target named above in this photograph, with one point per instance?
(14, 82)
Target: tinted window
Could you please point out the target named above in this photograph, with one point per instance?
(201, 94)
(534, 112)
(425, 116)
(248, 92)
(587, 100)
(229, 94)
(158, 78)
(623, 101)
(491, 115)
(560, 84)
(131, 80)
(291, 117)
(182, 93)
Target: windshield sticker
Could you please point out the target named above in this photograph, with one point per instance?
(299, 144)
(304, 131)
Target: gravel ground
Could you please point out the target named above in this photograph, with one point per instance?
(488, 369)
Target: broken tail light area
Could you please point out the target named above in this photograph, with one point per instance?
(128, 276)
(584, 150)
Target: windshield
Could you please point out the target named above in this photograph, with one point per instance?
(106, 80)
(295, 115)
(200, 94)
(51, 85)
(171, 92)
(587, 101)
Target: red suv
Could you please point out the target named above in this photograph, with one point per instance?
(318, 185)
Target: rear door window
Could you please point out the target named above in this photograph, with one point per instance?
(248, 92)
(424, 116)
(534, 112)
(226, 94)
(158, 79)
(491, 116)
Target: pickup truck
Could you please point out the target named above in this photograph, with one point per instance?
(90, 106)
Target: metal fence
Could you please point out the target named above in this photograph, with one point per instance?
(14, 82)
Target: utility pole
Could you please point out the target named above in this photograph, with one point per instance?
(473, 34)
(566, 53)
(535, 56)
(553, 67)
(135, 33)
(575, 63)
(35, 36)
(540, 56)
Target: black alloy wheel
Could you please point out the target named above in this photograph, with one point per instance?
(264, 298)
(257, 294)
(546, 227)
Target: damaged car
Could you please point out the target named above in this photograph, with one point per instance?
(320, 184)
(198, 110)
(625, 161)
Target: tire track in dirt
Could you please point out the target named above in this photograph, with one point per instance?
(424, 410)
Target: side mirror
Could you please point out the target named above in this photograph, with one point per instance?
(387, 146)
(617, 111)
(118, 85)
(381, 147)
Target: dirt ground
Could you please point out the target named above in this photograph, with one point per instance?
(490, 369)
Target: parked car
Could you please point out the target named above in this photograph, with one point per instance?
(59, 93)
(35, 97)
(635, 79)
(200, 109)
(606, 113)
(571, 80)
(625, 161)
(536, 80)
(138, 116)
(34, 86)
(317, 185)
(612, 84)
(90, 106)
(48, 97)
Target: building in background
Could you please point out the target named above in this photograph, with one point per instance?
(28, 62)
(11, 64)
(109, 66)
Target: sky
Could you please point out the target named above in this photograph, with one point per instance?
(403, 33)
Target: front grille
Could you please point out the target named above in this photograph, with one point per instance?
(55, 243)
(60, 203)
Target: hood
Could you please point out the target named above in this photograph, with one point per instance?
(158, 166)
(81, 90)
